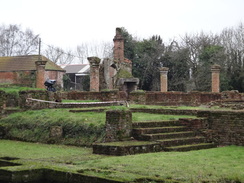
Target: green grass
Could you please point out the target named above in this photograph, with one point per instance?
(14, 90)
(204, 165)
(34, 126)
(224, 164)
(45, 152)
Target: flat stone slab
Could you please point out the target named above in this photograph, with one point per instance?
(126, 148)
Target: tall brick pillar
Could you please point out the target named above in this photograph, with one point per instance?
(215, 69)
(94, 73)
(164, 78)
(118, 46)
(40, 73)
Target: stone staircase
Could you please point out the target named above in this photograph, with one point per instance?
(156, 136)
(172, 135)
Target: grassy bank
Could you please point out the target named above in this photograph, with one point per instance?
(80, 129)
(14, 90)
(34, 126)
(223, 164)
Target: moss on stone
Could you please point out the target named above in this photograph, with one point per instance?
(122, 73)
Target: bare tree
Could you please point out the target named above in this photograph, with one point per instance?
(58, 55)
(196, 44)
(232, 39)
(14, 41)
(102, 50)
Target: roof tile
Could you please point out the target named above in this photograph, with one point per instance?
(25, 63)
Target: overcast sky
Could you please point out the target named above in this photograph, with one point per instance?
(68, 23)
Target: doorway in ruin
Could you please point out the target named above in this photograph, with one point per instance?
(128, 85)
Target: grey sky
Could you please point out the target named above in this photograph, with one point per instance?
(68, 23)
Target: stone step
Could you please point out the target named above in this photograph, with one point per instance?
(159, 136)
(148, 124)
(190, 147)
(137, 147)
(182, 141)
(159, 130)
(122, 148)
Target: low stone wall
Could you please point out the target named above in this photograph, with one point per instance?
(225, 127)
(232, 95)
(50, 175)
(36, 94)
(165, 111)
(149, 98)
(12, 100)
(181, 98)
(44, 104)
(138, 97)
(195, 124)
(235, 104)
(110, 95)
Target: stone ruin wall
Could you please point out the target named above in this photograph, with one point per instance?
(224, 127)
(149, 98)
(181, 98)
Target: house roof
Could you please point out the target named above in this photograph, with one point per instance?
(76, 68)
(26, 63)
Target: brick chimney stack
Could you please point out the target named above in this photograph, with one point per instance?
(215, 69)
(164, 78)
(40, 73)
(118, 46)
(94, 73)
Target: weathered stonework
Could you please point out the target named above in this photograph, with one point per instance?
(127, 84)
(12, 100)
(138, 97)
(118, 46)
(118, 125)
(118, 72)
(56, 132)
(106, 95)
(37, 94)
(225, 127)
(94, 73)
(164, 78)
(40, 73)
(215, 69)
(43, 104)
(174, 98)
(114, 150)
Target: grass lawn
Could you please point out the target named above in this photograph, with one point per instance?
(224, 164)
(58, 115)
